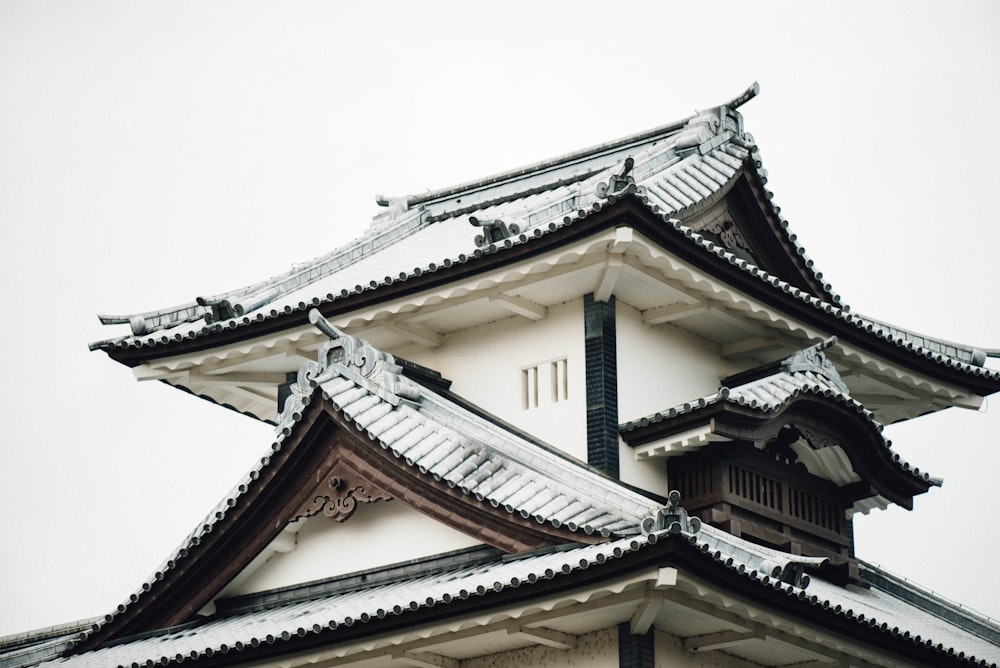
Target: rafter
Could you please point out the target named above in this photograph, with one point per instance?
(269, 379)
(426, 660)
(543, 636)
(646, 613)
(609, 279)
(416, 333)
(672, 312)
(615, 264)
(750, 346)
(720, 640)
(520, 306)
(743, 629)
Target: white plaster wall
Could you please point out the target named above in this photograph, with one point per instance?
(670, 654)
(660, 366)
(376, 534)
(598, 649)
(485, 363)
(649, 474)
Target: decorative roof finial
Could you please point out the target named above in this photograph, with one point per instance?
(493, 231)
(813, 359)
(747, 95)
(671, 518)
(620, 183)
(352, 358)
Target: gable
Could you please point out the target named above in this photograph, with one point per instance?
(743, 220)
(356, 432)
(375, 534)
(781, 455)
(699, 586)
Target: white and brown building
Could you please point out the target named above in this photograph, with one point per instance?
(597, 411)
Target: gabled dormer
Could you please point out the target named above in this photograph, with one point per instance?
(781, 455)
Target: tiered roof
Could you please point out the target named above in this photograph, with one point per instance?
(445, 453)
(889, 611)
(552, 526)
(671, 175)
(757, 396)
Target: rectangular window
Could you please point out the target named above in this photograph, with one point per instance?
(545, 382)
(560, 384)
(529, 387)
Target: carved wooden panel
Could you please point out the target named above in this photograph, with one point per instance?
(338, 493)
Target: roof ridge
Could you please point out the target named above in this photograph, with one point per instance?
(566, 158)
(975, 355)
(227, 305)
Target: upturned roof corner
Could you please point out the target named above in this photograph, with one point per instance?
(493, 281)
(354, 359)
(701, 177)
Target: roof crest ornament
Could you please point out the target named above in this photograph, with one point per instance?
(357, 360)
(813, 359)
(354, 359)
(747, 95)
(671, 518)
(493, 231)
(620, 183)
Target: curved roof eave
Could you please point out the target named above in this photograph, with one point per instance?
(898, 482)
(631, 209)
(876, 619)
(473, 477)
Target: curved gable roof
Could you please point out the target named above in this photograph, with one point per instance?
(672, 172)
(681, 168)
(354, 431)
(804, 388)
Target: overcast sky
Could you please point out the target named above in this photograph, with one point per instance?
(151, 152)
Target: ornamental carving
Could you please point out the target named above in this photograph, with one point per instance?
(817, 440)
(671, 518)
(812, 359)
(352, 358)
(494, 231)
(729, 235)
(780, 447)
(621, 183)
(338, 494)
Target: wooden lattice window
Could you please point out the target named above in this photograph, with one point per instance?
(545, 382)
(756, 487)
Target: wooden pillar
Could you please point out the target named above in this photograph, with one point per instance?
(602, 384)
(635, 651)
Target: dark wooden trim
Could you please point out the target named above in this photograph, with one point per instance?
(321, 442)
(768, 239)
(626, 211)
(859, 438)
(497, 527)
(672, 551)
(247, 528)
(601, 352)
(635, 651)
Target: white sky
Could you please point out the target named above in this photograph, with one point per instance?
(151, 152)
